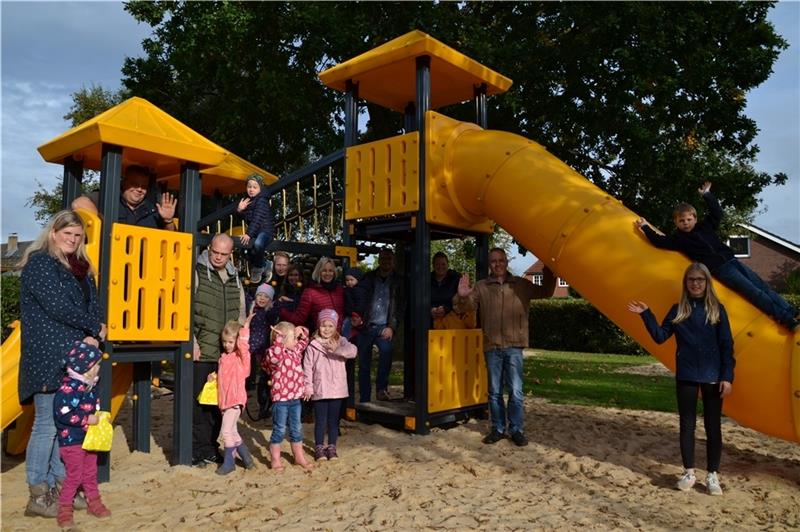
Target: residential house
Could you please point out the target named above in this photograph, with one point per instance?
(767, 254)
(535, 274)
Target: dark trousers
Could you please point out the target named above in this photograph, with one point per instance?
(712, 412)
(206, 419)
(326, 419)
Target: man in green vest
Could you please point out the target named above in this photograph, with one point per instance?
(218, 298)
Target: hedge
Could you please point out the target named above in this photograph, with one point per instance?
(9, 294)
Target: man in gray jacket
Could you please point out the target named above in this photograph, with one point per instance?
(504, 301)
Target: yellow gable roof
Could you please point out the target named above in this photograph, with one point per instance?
(386, 75)
(149, 136)
(226, 178)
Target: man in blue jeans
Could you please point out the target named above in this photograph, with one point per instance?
(504, 301)
(385, 288)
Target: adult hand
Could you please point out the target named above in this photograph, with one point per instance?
(637, 306)
(196, 351)
(704, 188)
(166, 209)
(244, 239)
(464, 288)
(725, 388)
(356, 321)
(285, 299)
(387, 333)
(243, 204)
(437, 312)
(91, 340)
(103, 332)
(211, 376)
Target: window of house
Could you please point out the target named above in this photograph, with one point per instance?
(538, 279)
(740, 246)
(562, 283)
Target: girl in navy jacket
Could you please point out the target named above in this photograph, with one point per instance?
(704, 360)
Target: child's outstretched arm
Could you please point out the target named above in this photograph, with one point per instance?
(656, 237)
(659, 334)
(714, 217)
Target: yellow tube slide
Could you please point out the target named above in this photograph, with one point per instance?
(11, 410)
(588, 238)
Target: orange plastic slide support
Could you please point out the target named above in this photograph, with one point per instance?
(11, 410)
(588, 238)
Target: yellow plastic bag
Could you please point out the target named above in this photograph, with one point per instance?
(208, 395)
(99, 437)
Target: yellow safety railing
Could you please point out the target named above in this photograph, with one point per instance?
(456, 369)
(150, 284)
(383, 177)
(94, 226)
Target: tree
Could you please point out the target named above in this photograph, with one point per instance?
(645, 99)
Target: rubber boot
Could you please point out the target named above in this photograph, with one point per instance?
(97, 508)
(41, 502)
(228, 464)
(64, 516)
(79, 503)
(275, 454)
(300, 456)
(244, 454)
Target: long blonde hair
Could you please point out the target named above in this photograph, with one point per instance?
(315, 275)
(710, 300)
(46, 241)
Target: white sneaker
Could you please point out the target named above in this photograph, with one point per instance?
(686, 481)
(712, 484)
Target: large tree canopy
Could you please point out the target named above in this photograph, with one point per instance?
(645, 99)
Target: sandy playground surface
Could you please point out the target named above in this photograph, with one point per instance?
(593, 468)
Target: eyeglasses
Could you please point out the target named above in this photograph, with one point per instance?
(696, 280)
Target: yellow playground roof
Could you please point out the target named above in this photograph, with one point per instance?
(226, 178)
(386, 75)
(148, 135)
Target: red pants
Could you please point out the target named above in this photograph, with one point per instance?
(81, 469)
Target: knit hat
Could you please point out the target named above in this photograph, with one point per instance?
(258, 178)
(267, 290)
(358, 273)
(328, 314)
(82, 357)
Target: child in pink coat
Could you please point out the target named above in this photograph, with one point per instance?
(234, 368)
(326, 381)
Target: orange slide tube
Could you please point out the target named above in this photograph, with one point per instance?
(588, 238)
(11, 410)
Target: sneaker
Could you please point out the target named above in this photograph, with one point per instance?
(319, 453)
(712, 484)
(519, 439)
(256, 274)
(383, 395)
(493, 437)
(330, 452)
(686, 481)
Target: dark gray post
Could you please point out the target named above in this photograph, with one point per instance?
(71, 186)
(110, 175)
(350, 138)
(421, 290)
(141, 406)
(189, 209)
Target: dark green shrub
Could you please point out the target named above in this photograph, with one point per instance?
(792, 299)
(9, 293)
(565, 324)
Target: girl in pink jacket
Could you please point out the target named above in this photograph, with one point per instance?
(326, 380)
(234, 368)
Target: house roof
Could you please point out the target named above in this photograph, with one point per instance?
(536, 267)
(10, 261)
(386, 75)
(774, 238)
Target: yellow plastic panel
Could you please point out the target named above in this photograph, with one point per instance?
(151, 283)
(93, 235)
(456, 369)
(442, 206)
(150, 137)
(382, 177)
(347, 251)
(587, 237)
(11, 351)
(386, 75)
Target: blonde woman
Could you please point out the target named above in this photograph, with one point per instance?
(324, 292)
(704, 361)
(58, 305)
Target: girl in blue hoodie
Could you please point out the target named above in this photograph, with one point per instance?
(704, 361)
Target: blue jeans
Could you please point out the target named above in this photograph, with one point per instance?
(748, 284)
(286, 413)
(366, 339)
(42, 459)
(504, 367)
(256, 251)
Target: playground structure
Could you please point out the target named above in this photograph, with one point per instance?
(442, 178)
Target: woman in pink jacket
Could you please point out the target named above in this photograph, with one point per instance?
(234, 368)
(326, 380)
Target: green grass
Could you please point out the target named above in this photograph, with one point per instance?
(594, 380)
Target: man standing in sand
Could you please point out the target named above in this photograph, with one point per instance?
(504, 301)
(218, 298)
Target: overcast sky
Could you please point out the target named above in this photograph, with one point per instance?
(52, 49)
